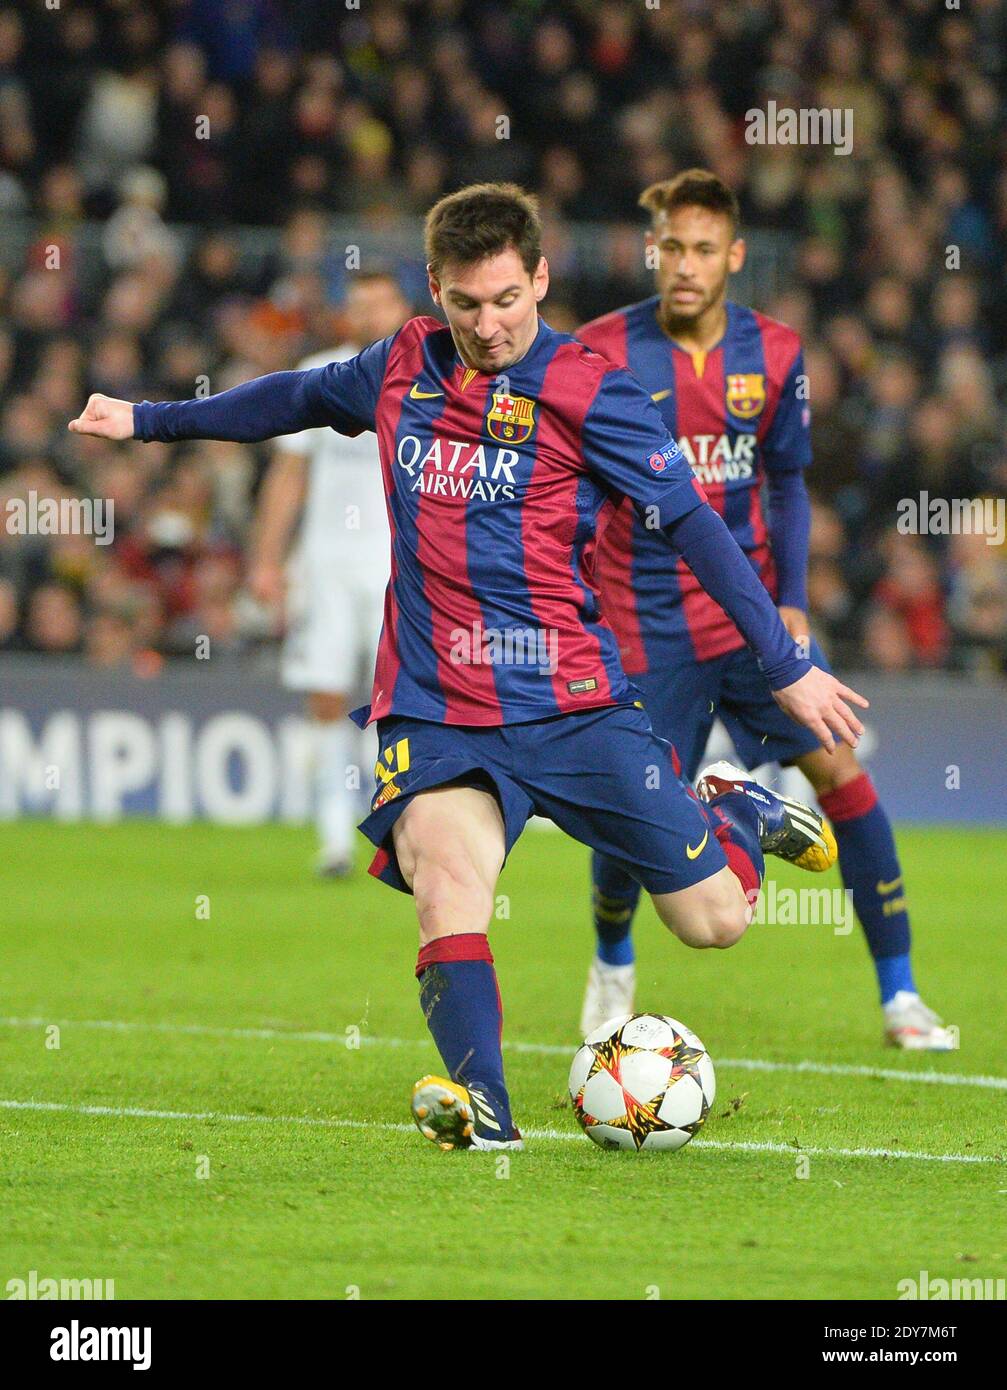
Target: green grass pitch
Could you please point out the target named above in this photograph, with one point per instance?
(280, 1162)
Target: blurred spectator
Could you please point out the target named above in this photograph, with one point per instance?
(8, 615)
(175, 128)
(836, 438)
(887, 642)
(909, 591)
(135, 232)
(977, 606)
(54, 622)
(109, 641)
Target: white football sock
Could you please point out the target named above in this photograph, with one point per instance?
(615, 972)
(336, 803)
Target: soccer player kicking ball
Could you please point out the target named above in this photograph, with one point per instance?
(498, 691)
(729, 384)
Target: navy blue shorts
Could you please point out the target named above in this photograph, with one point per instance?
(684, 696)
(602, 775)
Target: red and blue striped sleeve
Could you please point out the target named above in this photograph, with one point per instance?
(786, 453)
(790, 537)
(341, 394)
(786, 447)
(724, 571)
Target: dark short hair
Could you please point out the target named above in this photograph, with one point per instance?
(482, 220)
(693, 188)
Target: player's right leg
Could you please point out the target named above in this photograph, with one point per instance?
(751, 821)
(608, 780)
(449, 843)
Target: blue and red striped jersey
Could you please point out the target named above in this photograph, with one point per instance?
(495, 486)
(738, 412)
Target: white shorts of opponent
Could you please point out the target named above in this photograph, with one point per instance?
(333, 622)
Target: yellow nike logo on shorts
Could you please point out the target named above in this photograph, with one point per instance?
(695, 853)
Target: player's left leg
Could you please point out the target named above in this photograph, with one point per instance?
(444, 816)
(450, 848)
(869, 864)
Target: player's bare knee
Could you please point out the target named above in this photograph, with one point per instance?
(727, 926)
(717, 929)
(828, 772)
(709, 915)
(451, 893)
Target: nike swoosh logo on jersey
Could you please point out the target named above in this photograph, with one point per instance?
(882, 887)
(695, 853)
(661, 395)
(417, 395)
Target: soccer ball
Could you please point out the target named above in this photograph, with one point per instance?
(642, 1082)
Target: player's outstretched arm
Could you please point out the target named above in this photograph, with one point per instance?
(280, 403)
(341, 394)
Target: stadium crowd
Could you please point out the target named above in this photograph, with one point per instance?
(171, 127)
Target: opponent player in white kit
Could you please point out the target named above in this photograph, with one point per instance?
(338, 572)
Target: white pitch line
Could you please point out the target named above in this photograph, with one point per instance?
(135, 1112)
(767, 1146)
(924, 1078)
(116, 1025)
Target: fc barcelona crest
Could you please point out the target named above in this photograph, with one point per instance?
(511, 418)
(746, 394)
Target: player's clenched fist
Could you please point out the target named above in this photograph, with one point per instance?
(106, 417)
(818, 701)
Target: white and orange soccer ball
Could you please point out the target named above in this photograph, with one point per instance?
(642, 1082)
